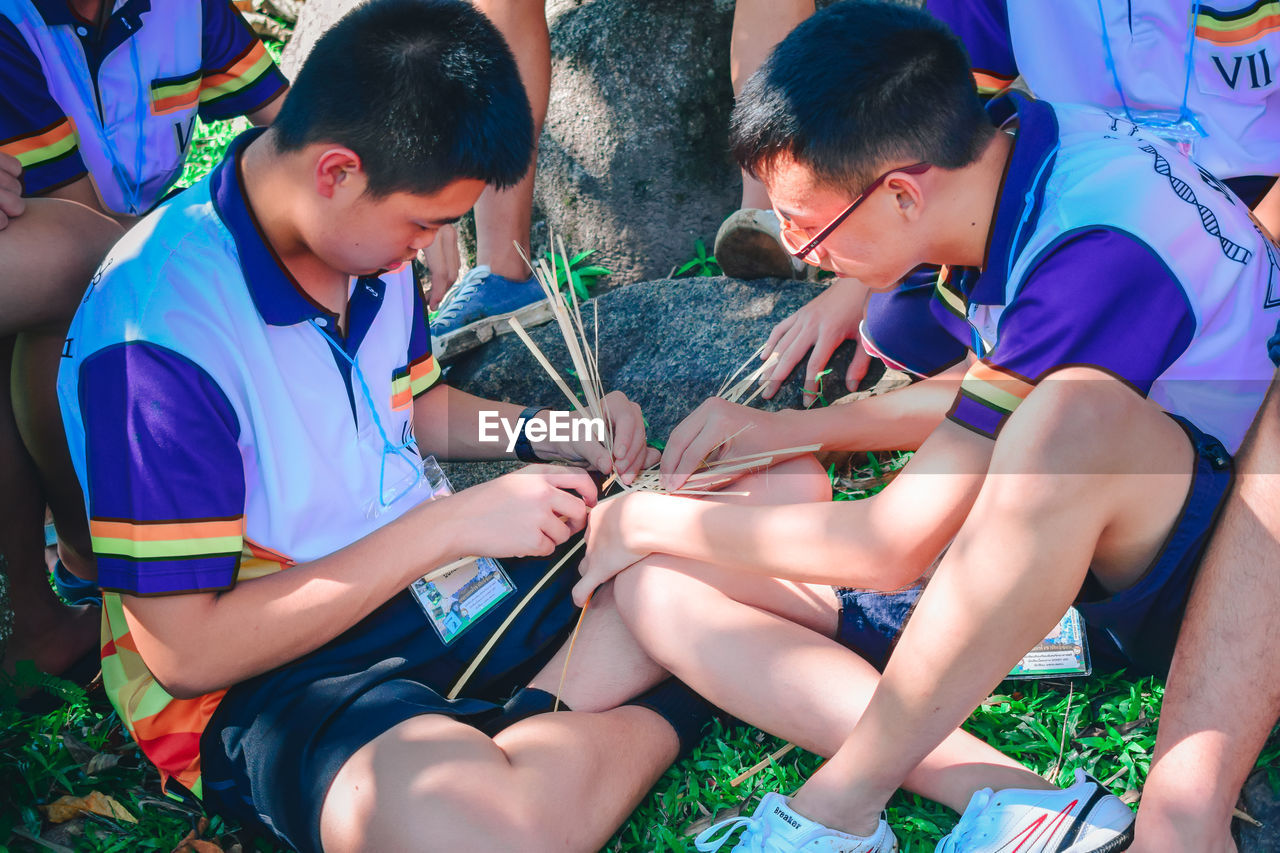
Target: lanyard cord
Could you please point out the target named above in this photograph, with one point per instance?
(128, 187)
(1184, 114)
(387, 446)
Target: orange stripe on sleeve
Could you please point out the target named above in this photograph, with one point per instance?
(43, 139)
(238, 68)
(142, 532)
(1007, 381)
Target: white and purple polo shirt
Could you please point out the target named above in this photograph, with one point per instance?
(217, 433)
(121, 104)
(1231, 79)
(1107, 249)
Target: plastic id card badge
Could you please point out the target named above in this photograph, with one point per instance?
(455, 601)
(1064, 653)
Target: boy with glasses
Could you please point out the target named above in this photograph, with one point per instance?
(1107, 290)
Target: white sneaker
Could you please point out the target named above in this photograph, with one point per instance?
(1084, 818)
(775, 828)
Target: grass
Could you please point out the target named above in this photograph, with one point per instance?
(1104, 724)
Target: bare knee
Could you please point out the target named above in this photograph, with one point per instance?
(651, 599)
(1085, 443)
(1076, 421)
(646, 587)
(799, 480)
(429, 785)
(52, 250)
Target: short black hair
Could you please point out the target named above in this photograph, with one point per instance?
(857, 86)
(426, 92)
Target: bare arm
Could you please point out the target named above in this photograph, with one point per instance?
(265, 114)
(84, 192)
(449, 424)
(882, 542)
(200, 642)
(899, 420)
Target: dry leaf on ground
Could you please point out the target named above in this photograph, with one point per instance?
(65, 808)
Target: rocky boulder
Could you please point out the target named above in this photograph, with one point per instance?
(668, 344)
(633, 159)
(1261, 802)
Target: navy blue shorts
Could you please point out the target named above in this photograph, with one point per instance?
(276, 742)
(1135, 628)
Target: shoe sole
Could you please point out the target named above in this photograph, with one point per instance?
(454, 344)
(750, 254)
(1113, 845)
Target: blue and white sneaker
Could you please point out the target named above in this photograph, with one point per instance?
(476, 308)
(1084, 818)
(775, 828)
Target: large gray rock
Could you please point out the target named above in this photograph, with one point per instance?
(1260, 802)
(634, 155)
(668, 344)
(633, 159)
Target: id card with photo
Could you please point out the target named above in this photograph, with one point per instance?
(1064, 653)
(455, 601)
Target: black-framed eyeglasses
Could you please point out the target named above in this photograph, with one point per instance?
(794, 238)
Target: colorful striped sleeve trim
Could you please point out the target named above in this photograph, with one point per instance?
(173, 94)
(988, 395)
(133, 540)
(1240, 26)
(168, 730)
(990, 83)
(413, 380)
(246, 70)
(47, 145)
(949, 295)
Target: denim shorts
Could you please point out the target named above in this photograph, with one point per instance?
(276, 742)
(1135, 628)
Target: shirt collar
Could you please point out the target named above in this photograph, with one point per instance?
(1021, 196)
(57, 12)
(276, 293)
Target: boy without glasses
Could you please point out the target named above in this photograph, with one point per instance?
(249, 392)
(1114, 298)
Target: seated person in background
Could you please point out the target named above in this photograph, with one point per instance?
(98, 100)
(249, 392)
(1116, 299)
(48, 251)
(98, 103)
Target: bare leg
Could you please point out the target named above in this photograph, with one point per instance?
(48, 254)
(48, 286)
(1085, 473)
(503, 217)
(762, 648)
(1228, 651)
(44, 630)
(551, 782)
(758, 26)
(35, 408)
(607, 666)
